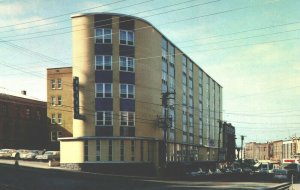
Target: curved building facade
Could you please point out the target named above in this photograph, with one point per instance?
(125, 67)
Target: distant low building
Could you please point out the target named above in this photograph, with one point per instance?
(277, 150)
(23, 121)
(257, 151)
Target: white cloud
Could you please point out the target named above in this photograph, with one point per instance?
(11, 9)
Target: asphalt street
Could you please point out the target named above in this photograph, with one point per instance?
(43, 178)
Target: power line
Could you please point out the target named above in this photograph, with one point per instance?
(191, 18)
(65, 14)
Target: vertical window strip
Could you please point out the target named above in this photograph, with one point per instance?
(110, 150)
(132, 150)
(122, 150)
(98, 150)
(86, 150)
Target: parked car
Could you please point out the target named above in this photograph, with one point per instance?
(49, 155)
(6, 153)
(281, 175)
(30, 155)
(21, 152)
(200, 172)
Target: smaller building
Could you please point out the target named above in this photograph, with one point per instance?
(59, 107)
(257, 151)
(229, 142)
(287, 149)
(277, 150)
(23, 121)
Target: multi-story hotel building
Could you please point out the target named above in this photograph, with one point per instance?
(59, 107)
(125, 66)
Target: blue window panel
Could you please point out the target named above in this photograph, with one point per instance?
(127, 77)
(103, 76)
(104, 104)
(127, 105)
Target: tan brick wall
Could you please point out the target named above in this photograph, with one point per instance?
(83, 67)
(148, 80)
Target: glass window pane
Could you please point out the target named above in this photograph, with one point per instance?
(123, 118)
(130, 64)
(123, 35)
(107, 35)
(130, 89)
(123, 63)
(164, 66)
(99, 62)
(108, 90)
(107, 60)
(130, 38)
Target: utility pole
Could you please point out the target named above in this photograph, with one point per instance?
(242, 140)
(165, 126)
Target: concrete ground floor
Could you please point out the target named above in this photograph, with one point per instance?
(134, 155)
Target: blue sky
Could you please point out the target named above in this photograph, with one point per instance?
(250, 47)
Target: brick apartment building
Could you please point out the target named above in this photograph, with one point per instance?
(60, 104)
(23, 121)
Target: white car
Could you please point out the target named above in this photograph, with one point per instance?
(21, 152)
(6, 153)
(49, 155)
(30, 155)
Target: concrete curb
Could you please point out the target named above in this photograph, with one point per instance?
(281, 186)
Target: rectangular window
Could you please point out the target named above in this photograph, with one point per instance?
(104, 118)
(127, 64)
(38, 115)
(98, 150)
(127, 118)
(103, 62)
(103, 90)
(164, 77)
(172, 71)
(171, 54)
(132, 150)
(59, 134)
(164, 44)
(127, 91)
(86, 150)
(53, 136)
(53, 118)
(53, 100)
(28, 113)
(184, 64)
(103, 35)
(126, 37)
(191, 67)
(59, 118)
(184, 80)
(110, 150)
(59, 85)
(59, 100)
(53, 84)
(122, 150)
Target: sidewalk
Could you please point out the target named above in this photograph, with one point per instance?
(33, 164)
(295, 187)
